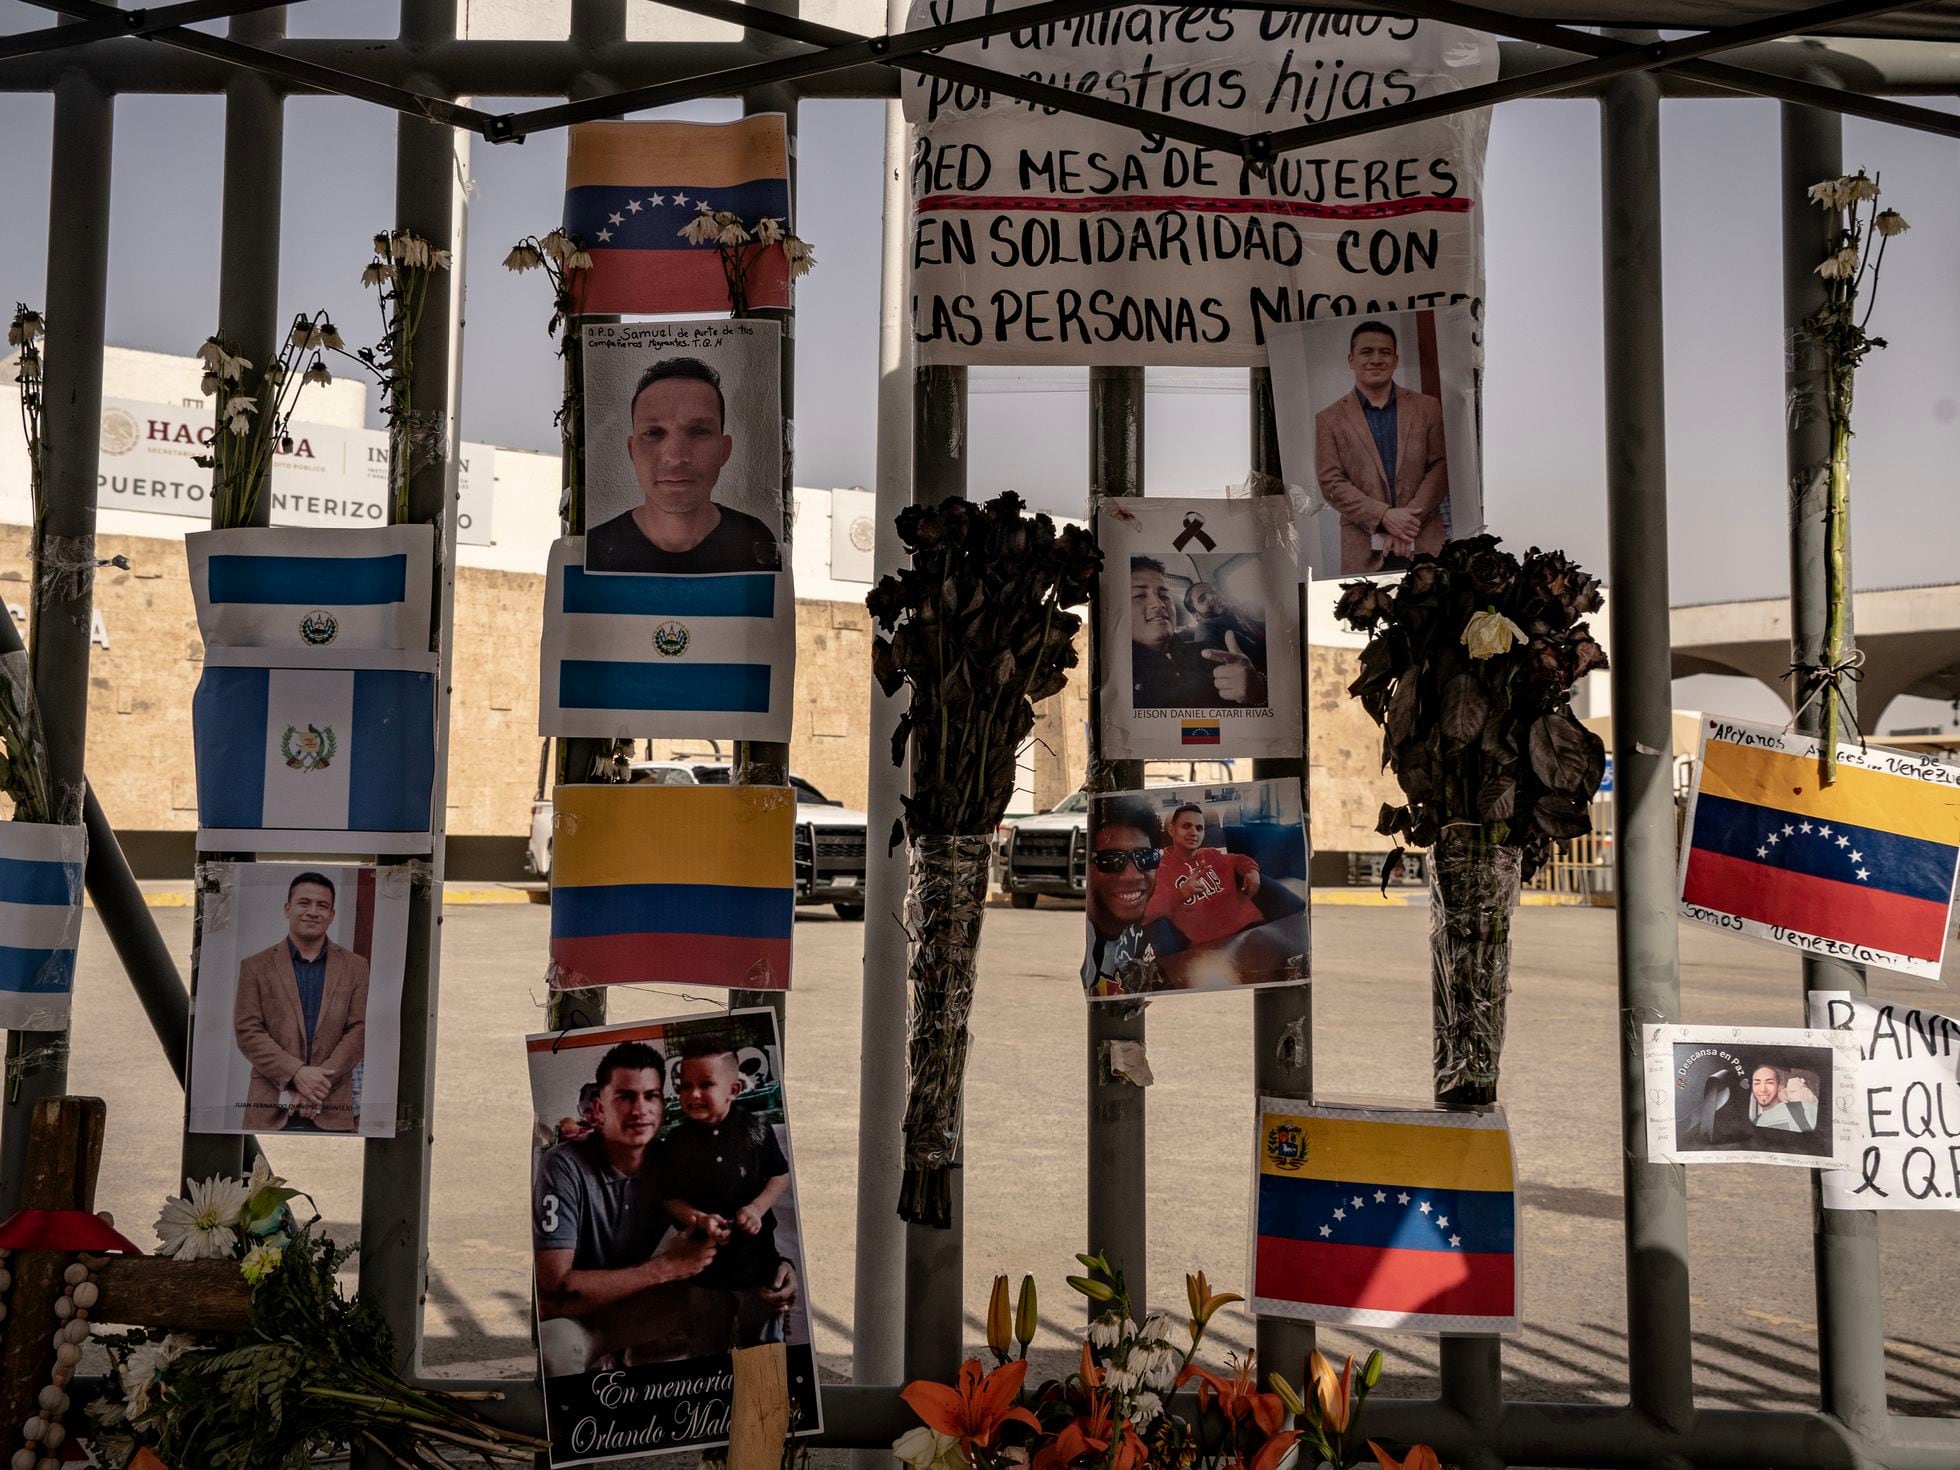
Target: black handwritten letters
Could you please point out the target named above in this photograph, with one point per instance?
(1041, 236)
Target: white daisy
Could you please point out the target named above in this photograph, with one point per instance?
(200, 1228)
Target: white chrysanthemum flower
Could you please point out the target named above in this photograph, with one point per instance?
(700, 230)
(1119, 1380)
(201, 1228)
(318, 374)
(556, 246)
(1840, 265)
(439, 260)
(523, 258)
(927, 1449)
(331, 338)
(212, 354)
(769, 230)
(1890, 222)
(27, 368)
(802, 259)
(1858, 188)
(578, 260)
(1830, 194)
(26, 327)
(732, 235)
(1145, 1407)
(209, 384)
(381, 245)
(377, 272)
(231, 369)
(1104, 1331)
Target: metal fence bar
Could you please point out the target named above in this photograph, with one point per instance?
(935, 1259)
(1850, 1300)
(395, 1171)
(1119, 1195)
(1282, 1020)
(78, 277)
(1659, 1358)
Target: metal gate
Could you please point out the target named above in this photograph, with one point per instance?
(909, 1286)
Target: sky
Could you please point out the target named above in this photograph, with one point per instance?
(1544, 414)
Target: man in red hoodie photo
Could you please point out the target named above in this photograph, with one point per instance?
(1205, 893)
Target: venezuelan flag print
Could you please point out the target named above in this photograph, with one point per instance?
(632, 187)
(1863, 868)
(672, 885)
(1385, 1218)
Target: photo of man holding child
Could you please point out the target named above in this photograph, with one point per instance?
(1196, 888)
(664, 1231)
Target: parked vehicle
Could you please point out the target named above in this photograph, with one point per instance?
(1045, 853)
(829, 838)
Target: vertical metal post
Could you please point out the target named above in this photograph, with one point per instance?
(935, 1259)
(248, 314)
(395, 1175)
(1850, 1302)
(1658, 1352)
(78, 276)
(877, 1328)
(1282, 1020)
(1118, 1192)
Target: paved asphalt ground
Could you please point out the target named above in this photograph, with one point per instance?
(1753, 1310)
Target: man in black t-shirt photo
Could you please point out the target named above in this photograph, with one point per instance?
(679, 443)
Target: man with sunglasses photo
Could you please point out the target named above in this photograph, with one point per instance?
(1125, 848)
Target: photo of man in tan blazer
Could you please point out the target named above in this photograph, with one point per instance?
(300, 1017)
(1379, 456)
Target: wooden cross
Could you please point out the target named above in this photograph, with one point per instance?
(64, 1158)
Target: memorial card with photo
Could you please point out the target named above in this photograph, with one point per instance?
(297, 1024)
(684, 447)
(1751, 1095)
(1378, 426)
(1196, 888)
(665, 1231)
(1906, 1102)
(1200, 628)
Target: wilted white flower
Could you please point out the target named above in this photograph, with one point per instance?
(1890, 222)
(578, 260)
(523, 258)
(1831, 194)
(381, 245)
(27, 367)
(700, 230)
(210, 384)
(802, 259)
(377, 272)
(768, 230)
(1145, 1407)
(732, 235)
(211, 354)
(1490, 633)
(305, 335)
(439, 260)
(27, 325)
(231, 369)
(1858, 188)
(1155, 1327)
(318, 374)
(1839, 265)
(556, 246)
(276, 374)
(200, 1228)
(398, 246)
(240, 403)
(928, 1449)
(330, 338)
(1104, 1331)
(1119, 1380)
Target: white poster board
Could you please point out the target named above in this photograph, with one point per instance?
(1046, 237)
(1906, 1101)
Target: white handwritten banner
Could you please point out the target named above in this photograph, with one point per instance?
(1907, 1100)
(1044, 237)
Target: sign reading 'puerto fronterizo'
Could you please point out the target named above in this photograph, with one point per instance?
(331, 477)
(1039, 236)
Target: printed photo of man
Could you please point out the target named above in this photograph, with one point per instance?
(1168, 671)
(1380, 460)
(679, 444)
(1124, 853)
(300, 1019)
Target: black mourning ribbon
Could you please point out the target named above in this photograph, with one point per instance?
(1194, 530)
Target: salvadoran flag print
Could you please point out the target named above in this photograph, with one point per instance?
(633, 655)
(41, 866)
(313, 593)
(316, 760)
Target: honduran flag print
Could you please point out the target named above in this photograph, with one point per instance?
(641, 654)
(1863, 868)
(684, 885)
(313, 593)
(315, 760)
(41, 869)
(1387, 1218)
(632, 187)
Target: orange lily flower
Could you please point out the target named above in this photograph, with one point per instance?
(1237, 1396)
(1335, 1394)
(1274, 1450)
(1421, 1457)
(974, 1409)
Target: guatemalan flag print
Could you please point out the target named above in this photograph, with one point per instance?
(640, 654)
(313, 759)
(41, 868)
(312, 593)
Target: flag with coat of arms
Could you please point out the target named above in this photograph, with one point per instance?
(313, 592)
